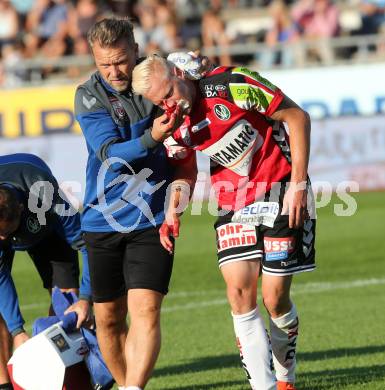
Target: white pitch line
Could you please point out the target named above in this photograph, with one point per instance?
(298, 289)
(306, 288)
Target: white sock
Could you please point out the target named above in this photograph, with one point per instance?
(284, 333)
(255, 350)
(130, 388)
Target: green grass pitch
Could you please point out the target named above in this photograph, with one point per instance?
(341, 306)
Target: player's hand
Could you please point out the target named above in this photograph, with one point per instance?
(84, 313)
(19, 339)
(191, 65)
(165, 125)
(169, 228)
(295, 204)
(206, 64)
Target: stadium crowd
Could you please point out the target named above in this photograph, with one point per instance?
(50, 29)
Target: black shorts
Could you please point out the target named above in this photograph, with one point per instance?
(122, 261)
(54, 259)
(260, 231)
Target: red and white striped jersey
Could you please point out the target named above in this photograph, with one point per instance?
(229, 122)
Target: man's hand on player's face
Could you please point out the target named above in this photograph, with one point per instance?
(295, 204)
(164, 126)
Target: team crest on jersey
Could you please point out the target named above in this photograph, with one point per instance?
(33, 225)
(222, 112)
(118, 108)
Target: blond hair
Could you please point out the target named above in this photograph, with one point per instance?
(108, 32)
(141, 75)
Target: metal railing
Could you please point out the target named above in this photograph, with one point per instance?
(340, 50)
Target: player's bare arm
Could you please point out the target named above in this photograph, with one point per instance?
(181, 192)
(20, 339)
(298, 122)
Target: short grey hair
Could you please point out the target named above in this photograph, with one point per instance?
(141, 75)
(109, 31)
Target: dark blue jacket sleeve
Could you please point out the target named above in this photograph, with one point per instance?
(104, 138)
(9, 303)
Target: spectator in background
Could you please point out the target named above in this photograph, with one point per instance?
(158, 28)
(318, 21)
(81, 18)
(283, 30)
(23, 7)
(47, 25)
(121, 7)
(12, 76)
(145, 30)
(167, 21)
(9, 24)
(214, 33)
(373, 16)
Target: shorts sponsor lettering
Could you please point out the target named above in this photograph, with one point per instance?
(288, 263)
(258, 213)
(278, 248)
(235, 150)
(234, 235)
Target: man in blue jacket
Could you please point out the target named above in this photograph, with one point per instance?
(127, 177)
(35, 217)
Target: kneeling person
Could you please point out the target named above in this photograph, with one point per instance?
(30, 220)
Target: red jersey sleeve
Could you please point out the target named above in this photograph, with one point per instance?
(250, 91)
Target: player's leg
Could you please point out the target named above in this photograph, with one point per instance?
(111, 331)
(283, 325)
(144, 335)
(286, 252)
(147, 272)
(105, 259)
(238, 256)
(252, 339)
